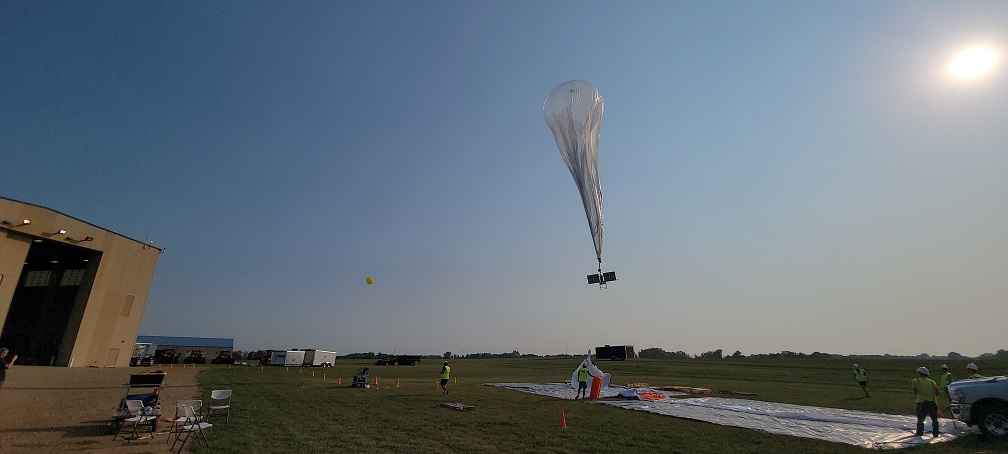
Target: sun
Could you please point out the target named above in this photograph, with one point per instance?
(973, 63)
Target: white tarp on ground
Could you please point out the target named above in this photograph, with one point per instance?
(558, 390)
(859, 428)
(869, 430)
(564, 391)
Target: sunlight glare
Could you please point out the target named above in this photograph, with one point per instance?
(973, 63)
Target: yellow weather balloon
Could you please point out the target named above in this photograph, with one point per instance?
(369, 280)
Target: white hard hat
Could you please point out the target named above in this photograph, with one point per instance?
(855, 366)
(923, 370)
(944, 367)
(971, 366)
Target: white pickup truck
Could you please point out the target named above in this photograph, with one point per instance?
(982, 402)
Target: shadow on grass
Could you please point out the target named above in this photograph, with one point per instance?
(88, 429)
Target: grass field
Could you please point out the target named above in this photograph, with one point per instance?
(280, 410)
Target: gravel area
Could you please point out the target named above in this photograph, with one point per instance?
(58, 409)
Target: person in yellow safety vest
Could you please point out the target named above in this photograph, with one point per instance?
(861, 376)
(971, 371)
(583, 375)
(445, 372)
(926, 391)
(944, 380)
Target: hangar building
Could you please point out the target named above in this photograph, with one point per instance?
(71, 293)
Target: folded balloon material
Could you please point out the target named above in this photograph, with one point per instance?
(646, 394)
(593, 371)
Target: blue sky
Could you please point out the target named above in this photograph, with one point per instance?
(788, 175)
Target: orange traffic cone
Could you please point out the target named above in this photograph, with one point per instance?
(339, 380)
(456, 380)
(323, 376)
(171, 366)
(376, 381)
(437, 385)
(397, 382)
(563, 421)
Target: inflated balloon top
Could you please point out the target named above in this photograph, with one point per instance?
(574, 113)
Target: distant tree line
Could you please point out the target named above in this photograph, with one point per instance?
(651, 353)
(657, 353)
(513, 354)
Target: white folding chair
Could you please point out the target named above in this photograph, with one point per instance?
(192, 425)
(138, 416)
(180, 418)
(220, 402)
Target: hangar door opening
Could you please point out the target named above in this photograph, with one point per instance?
(48, 303)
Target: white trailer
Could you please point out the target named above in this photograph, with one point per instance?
(278, 358)
(294, 358)
(322, 358)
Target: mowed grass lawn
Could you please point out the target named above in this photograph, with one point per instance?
(280, 410)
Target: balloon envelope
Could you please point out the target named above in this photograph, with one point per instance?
(573, 112)
(369, 281)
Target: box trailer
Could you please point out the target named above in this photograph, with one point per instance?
(321, 358)
(278, 358)
(615, 352)
(294, 358)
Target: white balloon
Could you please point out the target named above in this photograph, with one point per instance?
(574, 113)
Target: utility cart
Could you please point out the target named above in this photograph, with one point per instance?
(145, 387)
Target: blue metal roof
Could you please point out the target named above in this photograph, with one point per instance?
(187, 341)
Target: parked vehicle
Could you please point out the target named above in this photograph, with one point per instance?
(615, 352)
(320, 358)
(143, 354)
(982, 402)
(398, 360)
(166, 356)
(195, 357)
(223, 357)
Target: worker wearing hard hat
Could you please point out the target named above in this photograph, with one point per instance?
(926, 391)
(445, 373)
(583, 375)
(861, 376)
(971, 371)
(944, 380)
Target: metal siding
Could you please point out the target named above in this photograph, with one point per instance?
(217, 342)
